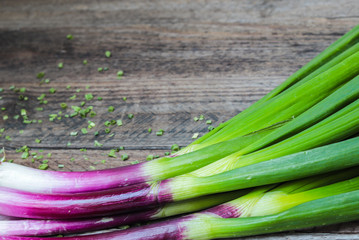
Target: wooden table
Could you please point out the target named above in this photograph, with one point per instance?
(180, 59)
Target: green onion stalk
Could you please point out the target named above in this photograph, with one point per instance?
(262, 201)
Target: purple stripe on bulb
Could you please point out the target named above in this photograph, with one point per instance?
(224, 211)
(64, 206)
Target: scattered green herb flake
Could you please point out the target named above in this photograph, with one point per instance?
(78, 90)
(21, 131)
(1, 89)
(82, 103)
(83, 150)
(52, 90)
(92, 167)
(63, 105)
(175, 147)
(210, 128)
(2, 130)
(69, 36)
(195, 135)
(122, 148)
(25, 155)
(112, 153)
(167, 153)
(105, 68)
(120, 73)
(107, 123)
(88, 96)
(72, 159)
(40, 75)
(92, 113)
(119, 122)
(22, 90)
(43, 166)
(84, 131)
(39, 109)
(5, 117)
(76, 108)
(23, 112)
(85, 62)
(130, 115)
(149, 130)
(41, 97)
(113, 122)
(149, 157)
(39, 121)
(60, 166)
(91, 124)
(99, 98)
(108, 54)
(68, 86)
(195, 119)
(49, 155)
(87, 87)
(3, 108)
(100, 69)
(124, 99)
(47, 80)
(40, 150)
(96, 133)
(160, 132)
(111, 109)
(45, 161)
(103, 161)
(124, 157)
(97, 144)
(73, 133)
(85, 157)
(157, 156)
(201, 117)
(33, 153)
(111, 135)
(37, 140)
(107, 130)
(135, 162)
(209, 121)
(60, 65)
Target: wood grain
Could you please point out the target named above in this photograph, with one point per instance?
(180, 58)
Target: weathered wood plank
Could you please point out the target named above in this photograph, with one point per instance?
(181, 59)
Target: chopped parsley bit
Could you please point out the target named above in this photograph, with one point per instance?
(84, 131)
(68, 86)
(21, 131)
(124, 99)
(111, 109)
(39, 121)
(135, 162)
(195, 135)
(107, 130)
(60, 65)
(42, 96)
(103, 161)
(45, 161)
(72, 159)
(82, 103)
(73, 97)
(130, 115)
(111, 135)
(122, 148)
(40, 75)
(69, 36)
(167, 153)
(49, 155)
(209, 121)
(2, 130)
(160, 132)
(83, 150)
(108, 54)
(149, 157)
(84, 62)
(41, 150)
(149, 130)
(195, 119)
(99, 98)
(33, 153)
(25, 155)
(5, 117)
(88, 96)
(175, 147)
(78, 90)
(92, 167)
(43, 166)
(91, 124)
(119, 122)
(87, 87)
(22, 90)
(3, 108)
(37, 140)
(113, 122)
(73, 133)
(120, 73)
(1, 89)
(100, 69)
(210, 128)
(63, 105)
(52, 90)
(124, 157)
(105, 68)
(60, 166)
(201, 117)
(96, 133)
(112, 153)
(97, 144)
(68, 144)
(107, 123)
(47, 80)
(23, 112)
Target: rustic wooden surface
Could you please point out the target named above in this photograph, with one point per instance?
(180, 59)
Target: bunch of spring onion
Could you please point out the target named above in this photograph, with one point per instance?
(307, 126)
